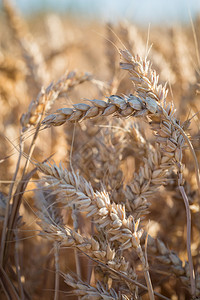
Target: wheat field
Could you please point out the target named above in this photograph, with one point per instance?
(99, 152)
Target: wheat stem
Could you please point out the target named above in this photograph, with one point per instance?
(188, 214)
(57, 270)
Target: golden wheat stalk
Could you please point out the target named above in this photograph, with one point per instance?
(150, 103)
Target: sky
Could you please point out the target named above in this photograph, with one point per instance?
(139, 11)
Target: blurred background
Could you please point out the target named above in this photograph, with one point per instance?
(141, 12)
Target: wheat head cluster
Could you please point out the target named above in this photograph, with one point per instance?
(99, 151)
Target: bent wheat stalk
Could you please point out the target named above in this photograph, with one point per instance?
(149, 103)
